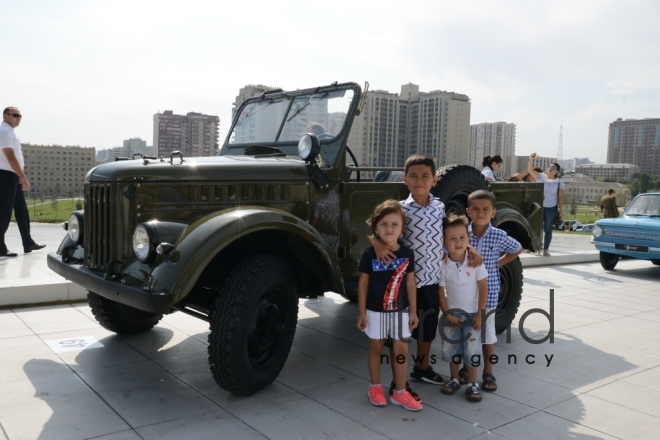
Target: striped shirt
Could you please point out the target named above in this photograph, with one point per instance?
(423, 235)
(491, 245)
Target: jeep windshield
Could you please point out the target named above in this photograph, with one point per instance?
(279, 120)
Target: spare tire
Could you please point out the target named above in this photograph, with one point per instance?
(455, 183)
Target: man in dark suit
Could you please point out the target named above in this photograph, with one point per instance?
(12, 183)
(608, 205)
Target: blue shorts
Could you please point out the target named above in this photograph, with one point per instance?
(471, 347)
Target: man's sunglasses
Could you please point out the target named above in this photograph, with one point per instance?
(16, 115)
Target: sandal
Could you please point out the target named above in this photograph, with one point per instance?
(463, 375)
(489, 384)
(473, 393)
(451, 386)
(427, 375)
(414, 395)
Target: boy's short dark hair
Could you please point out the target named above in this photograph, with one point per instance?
(388, 207)
(420, 159)
(454, 220)
(481, 194)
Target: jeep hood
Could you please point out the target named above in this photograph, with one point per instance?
(195, 169)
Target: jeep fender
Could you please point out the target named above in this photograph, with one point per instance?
(203, 240)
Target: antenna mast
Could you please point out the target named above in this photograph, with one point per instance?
(560, 152)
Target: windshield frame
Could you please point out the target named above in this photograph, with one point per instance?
(327, 145)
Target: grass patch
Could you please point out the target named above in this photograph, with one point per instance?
(49, 211)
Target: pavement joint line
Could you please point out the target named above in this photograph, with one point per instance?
(573, 422)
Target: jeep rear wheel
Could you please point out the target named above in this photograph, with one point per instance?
(252, 324)
(608, 261)
(511, 283)
(120, 318)
(455, 183)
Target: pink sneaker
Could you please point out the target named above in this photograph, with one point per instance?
(376, 396)
(405, 400)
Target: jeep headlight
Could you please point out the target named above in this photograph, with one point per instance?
(75, 228)
(309, 147)
(597, 231)
(143, 243)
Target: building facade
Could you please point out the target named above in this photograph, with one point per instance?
(57, 171)
(246, 92)
(130, 147)
(518, 164)
(586, 190)
(489, 139)
(636, 142)
(392, 127)
(193, 134)
(613, 171)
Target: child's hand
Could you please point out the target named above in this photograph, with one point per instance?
(413, 321)
(476, 321)
(454, 320)
(474, 257)
(362, 321)
(383, 252)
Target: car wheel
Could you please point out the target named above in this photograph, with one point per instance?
(252, 324)
(608, 261)
(511, 284)
(455, 183)
(120, 318)
(656, 262)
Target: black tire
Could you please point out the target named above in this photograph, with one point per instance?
(511, 285)
(252, 324)
(656, 262)
(120, 318)
(608, 261)
(455, 183)
(351, 292)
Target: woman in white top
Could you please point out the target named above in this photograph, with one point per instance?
(553, 199)
(491, 165)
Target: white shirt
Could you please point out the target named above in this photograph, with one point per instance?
(550, 189)
(487, 172)
(423, 235)
(8, 139)
(460, 282)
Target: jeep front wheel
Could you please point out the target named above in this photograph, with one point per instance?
(120, 318)
(511, 284)
(252, 324)
(608, 261)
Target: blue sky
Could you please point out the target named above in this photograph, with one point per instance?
(94, 73)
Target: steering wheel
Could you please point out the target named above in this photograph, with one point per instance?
(355, 163)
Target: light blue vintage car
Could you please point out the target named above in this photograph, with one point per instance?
(636, 234)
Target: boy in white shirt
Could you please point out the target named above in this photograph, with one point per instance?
(463, 295)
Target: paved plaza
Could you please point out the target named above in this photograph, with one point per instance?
(62, 376)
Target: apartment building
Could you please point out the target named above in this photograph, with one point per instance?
(489, 139)
(194, 134)
(614, 171)
(128, 149)
(393, 126)
(636, 142)
(58, 171)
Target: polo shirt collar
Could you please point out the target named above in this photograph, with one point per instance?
(411, 201)
(4, 124)
(471, 233)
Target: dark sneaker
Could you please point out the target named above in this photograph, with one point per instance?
(428, 376)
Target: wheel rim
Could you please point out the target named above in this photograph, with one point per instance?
(266, 327)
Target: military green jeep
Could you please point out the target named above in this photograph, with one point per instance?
(235, 240)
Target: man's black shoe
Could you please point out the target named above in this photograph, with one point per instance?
(9, 254)
(34, 247)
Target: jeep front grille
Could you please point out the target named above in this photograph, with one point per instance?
(100, 236)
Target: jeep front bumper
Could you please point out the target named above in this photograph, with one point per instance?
(147, 301)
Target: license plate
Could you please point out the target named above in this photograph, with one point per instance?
(631, 248)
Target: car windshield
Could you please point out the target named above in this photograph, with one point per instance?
(322, 113)
(645, 205)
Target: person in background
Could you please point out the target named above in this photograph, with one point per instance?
(491, 165)
(13, 183)
(553, 199)
(608, 205)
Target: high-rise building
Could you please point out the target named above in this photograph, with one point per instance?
(518, 164)
(136, 146)
(246, 92)
(637, 142)
(391, 127)
(57, 171)
(489, 139)
(194, 134)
